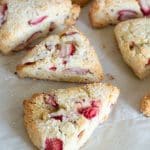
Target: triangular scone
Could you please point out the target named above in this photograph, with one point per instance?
(64, 119)
(24, 21)
(65, 57)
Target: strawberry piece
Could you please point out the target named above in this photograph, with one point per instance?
(34, 36)
(145, 7)
(37, 21)
(53, 68)
(60, 117)
(67, 50)
(51, 101)
(96, 103)
(126, 14)
(52, 27)
(89, 112)
(3, 12)
(65, 62)
(77, 70)
(148, 63)
(53, 144)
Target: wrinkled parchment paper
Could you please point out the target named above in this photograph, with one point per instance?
(126, 128)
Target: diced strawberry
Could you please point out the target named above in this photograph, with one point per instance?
(145, 7)
(3, 12)
(52, 27)
(53, 68)
(37, 21)
(60, 117)
(67, 50)
(72, 49)
(126, 14)
(148, 63)
(51, 101)
(65, 62)
(96, 103)
(53, 144)
(89, 112)
(34, 36)
(78, 71)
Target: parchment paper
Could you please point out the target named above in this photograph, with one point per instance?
(126, 128)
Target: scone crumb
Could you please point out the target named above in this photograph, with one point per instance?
(145, 105)
(110, 77)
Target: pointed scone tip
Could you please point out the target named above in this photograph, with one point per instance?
(64, 57)
(69, 116)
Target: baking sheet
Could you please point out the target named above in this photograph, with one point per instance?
(126, 128)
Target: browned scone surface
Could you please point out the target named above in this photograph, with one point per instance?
(145, 105)
(80, 2)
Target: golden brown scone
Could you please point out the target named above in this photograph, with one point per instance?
(133, 37)
(106, 12)
(80, 2)
(24, 21)
(64, 119)
(145, 105)
(65, 57)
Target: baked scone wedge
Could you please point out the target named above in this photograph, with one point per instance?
(24, 21)
(133, 38)
(106, 12)
(64, 119)
(80, 2)
(64, 57)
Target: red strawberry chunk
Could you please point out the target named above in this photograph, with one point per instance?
(3, 12)
(53, 144)
(53, 68)
(51, 101)
(78, 71)
(96, 103)
(148, 63)
(60, 117)
(37, 21)
(145, 7)
(126, 14)
(67, 50)
(89, 112)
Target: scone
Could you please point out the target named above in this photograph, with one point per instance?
(105, 12)
(64, 119)
(65, 57)
(145, 105)
(24, 21)
(80, 2)
(133, 38)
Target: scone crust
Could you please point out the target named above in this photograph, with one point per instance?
(11, 37)
(107, 92)
(134, 43)
(80, 2)
(91, 62)
(105, 12)
(145, 105)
